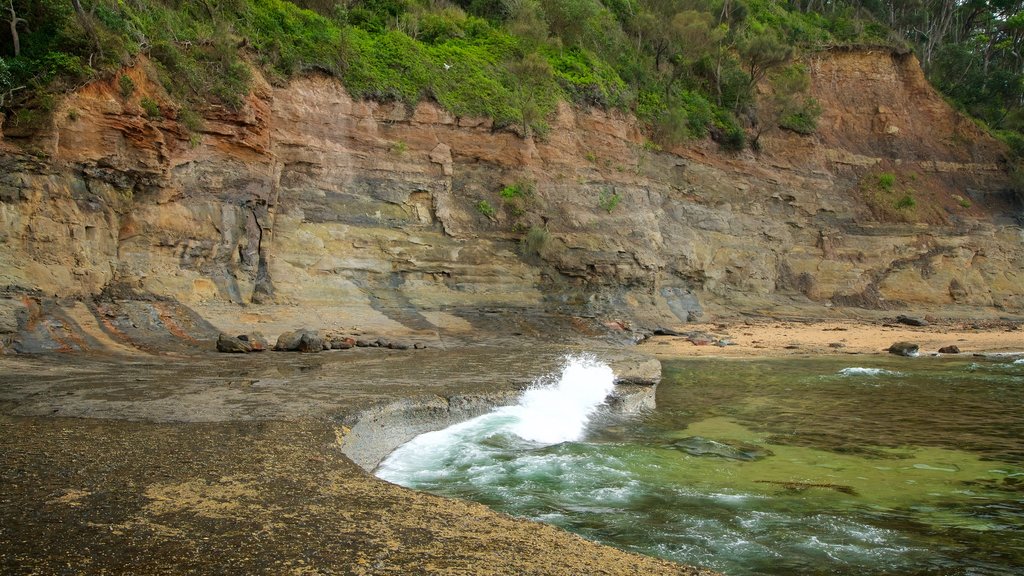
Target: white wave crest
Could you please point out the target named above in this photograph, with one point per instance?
(861, 371)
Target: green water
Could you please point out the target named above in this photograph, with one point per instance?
(784, 467)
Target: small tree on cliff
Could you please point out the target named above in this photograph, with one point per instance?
(531, 76)
(763, 51)
(785, 104)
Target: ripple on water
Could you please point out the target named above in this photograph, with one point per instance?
(862, 371)
(918, 477)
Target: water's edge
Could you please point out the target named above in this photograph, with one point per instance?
(372, 434)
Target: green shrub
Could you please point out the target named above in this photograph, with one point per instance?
(608, 200)
(442, 25)
(886, 180)
(517, 190)
(150, 107)
(805, 120)
(127, 86)
(685, 115)
(535, 240)
(1013, 139)
(484, 207)
(6, 79)
(587, 79)
(190, 119)
(728, 132)
(905, 202)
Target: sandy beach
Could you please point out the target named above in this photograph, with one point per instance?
(764, 338)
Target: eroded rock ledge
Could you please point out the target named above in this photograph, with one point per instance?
(221, 463)
(370, 435)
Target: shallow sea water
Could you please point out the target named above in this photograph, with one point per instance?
(807, 466)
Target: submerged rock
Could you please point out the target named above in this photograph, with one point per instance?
(732, 450)
(908, 349)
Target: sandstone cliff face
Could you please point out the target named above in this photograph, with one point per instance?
(309, 207)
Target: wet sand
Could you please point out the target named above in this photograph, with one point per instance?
(766, 338)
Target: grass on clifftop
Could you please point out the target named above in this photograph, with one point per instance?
(687, 68)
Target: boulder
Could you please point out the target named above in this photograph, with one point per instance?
(904, 349)
(911, 321)
(257, 342)
(701, 338)
(954, 349)
(232, 345)
(342, 343)
(310, 342)
(289, 341)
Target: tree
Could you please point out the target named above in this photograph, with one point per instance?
(761, 52)
(86, 22)
(526, 21)
(693, 35)
(531, 76)
(14, 21)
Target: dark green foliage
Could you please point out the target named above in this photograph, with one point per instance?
(728, 133)
(150, 107)
(127, 86)
(608, 200)
(484, 207)
(804, 120)
(587, 79)
(905, 202)
(1014, 140)
(886, 180)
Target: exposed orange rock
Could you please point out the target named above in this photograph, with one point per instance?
(307, 197)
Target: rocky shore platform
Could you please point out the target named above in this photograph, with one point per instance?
(172, 458)
(207, 463)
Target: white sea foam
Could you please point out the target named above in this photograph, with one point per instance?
(860, 371)
(546, 414)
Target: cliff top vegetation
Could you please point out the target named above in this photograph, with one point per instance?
(687, 68)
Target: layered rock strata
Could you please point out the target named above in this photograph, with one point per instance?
(307, 207)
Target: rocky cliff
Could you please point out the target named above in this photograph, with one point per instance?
(307, 207)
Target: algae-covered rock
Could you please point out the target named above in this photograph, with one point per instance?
(908, 349)
(730, 449)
